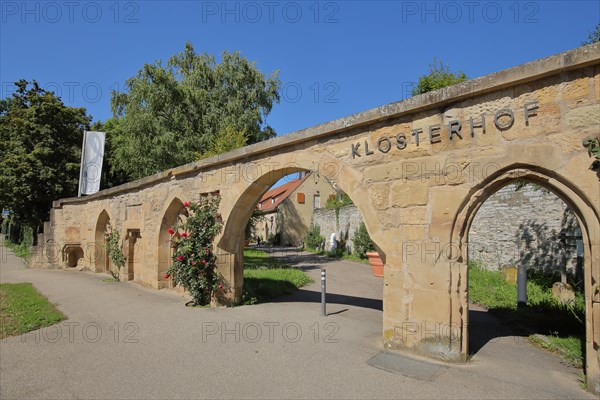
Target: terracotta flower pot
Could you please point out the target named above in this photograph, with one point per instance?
(246, 242)
(376, 263)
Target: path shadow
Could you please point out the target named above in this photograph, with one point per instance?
(484, 328)
(311, 296)
(488, 326)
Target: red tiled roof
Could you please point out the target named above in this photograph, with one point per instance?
(280, 193)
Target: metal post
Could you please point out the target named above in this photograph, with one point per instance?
(323, 292)
(522, 286)
(81, 165)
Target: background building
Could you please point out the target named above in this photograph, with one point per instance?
(288, 209)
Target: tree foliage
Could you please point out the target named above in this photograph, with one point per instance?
(439, 76)
(593, 148)
(313, 239)
(171, 114)
(338, 202)
(228, 139)
(250, 231)
(593, 37)
(40, 150)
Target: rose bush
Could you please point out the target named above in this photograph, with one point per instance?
(194, 262)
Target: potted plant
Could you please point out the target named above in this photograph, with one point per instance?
(376, 263)
(365, 248)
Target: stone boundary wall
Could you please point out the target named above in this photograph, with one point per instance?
(523, 225)
(344, 226)
(512, 225)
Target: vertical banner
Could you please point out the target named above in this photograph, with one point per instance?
(92, 154)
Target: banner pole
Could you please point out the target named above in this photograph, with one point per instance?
(81, 164)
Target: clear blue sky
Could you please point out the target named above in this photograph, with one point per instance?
(335, 57)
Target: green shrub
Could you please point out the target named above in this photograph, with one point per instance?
(313, 239)
(274, 240)
(362, 241)
(20, 239)
(194, 263)
(115, 253)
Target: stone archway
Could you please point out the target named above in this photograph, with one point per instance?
(589, 222)
(171, 216)
(103, 229)
(230, 245)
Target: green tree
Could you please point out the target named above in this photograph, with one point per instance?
(362, 241)
(339, 201)
(228, 139)
(250, 231)
(313, 239)
(439, 76)
(40, 150)
(593, 37)
(171, 114)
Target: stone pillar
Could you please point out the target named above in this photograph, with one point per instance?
(231, 267)
(593, 317)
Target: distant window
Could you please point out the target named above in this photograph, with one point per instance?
(301, 198)
(272, 201)
(260, 205)
(316, 201)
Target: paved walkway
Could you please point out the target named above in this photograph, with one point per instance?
(124, 341)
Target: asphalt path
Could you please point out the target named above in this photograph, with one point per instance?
(124, 341)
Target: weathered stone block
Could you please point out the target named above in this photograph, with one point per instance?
(409, 193)
(563, 293)
(380, 195)
(583, 116)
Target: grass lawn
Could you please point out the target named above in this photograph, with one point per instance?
(265, 278)
(24, 309)
(255, 259)
(349, 257)
(554, 326)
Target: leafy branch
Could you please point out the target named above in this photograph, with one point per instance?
(593, 148)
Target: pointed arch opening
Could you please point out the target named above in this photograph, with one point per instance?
(587, 223)
(308, 195)
(103, 229)
(173, 214)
